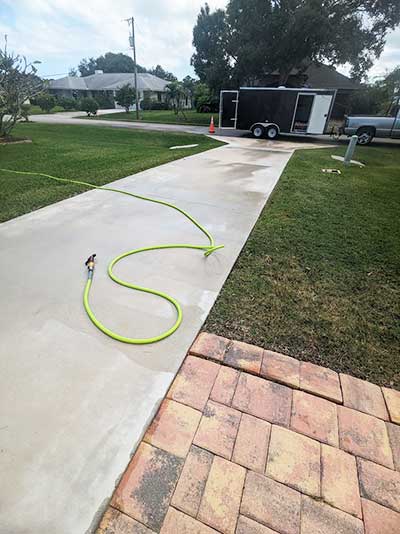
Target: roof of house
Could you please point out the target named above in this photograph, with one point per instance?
(324, 76)
(109, 82)
(318, 75)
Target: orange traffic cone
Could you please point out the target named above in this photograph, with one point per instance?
(212, 128)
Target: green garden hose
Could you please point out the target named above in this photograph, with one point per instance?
(208, 249)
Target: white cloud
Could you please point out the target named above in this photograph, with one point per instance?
(389, 59)
(61, 32)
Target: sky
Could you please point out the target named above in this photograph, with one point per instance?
(60, 33)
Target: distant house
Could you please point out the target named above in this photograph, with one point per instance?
(320, 76)
(107, 84)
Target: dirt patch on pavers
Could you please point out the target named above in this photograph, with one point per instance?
(254, 442)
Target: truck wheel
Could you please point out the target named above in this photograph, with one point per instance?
(258, 131)
(365, 136)
(272, 132)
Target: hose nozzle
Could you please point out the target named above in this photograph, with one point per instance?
(90, 264)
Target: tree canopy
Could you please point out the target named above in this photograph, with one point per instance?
(18, 83)
(110, 62)
(126, 96)
(249, 40)
(376, 97)
(211, 60)
(162, 73)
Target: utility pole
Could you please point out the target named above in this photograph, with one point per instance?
(133, 46)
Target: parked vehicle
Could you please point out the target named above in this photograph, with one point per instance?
(270, 111)
(366, 127)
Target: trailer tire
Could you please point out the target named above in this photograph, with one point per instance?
(272, 132)
(365, 135)
(258, 131)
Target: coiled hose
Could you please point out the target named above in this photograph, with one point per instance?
(208, 249)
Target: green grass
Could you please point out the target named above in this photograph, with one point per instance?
(88, 153)
(319, 277)
(36, 110)
(164, 117)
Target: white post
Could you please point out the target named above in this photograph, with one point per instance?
(350, 150)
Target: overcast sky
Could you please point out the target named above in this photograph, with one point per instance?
(61, 32)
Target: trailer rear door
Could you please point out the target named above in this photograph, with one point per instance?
(228, 105)
(319, 114)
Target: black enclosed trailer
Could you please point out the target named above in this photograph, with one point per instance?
(269, 111)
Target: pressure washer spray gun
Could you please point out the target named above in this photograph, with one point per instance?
(90, 265)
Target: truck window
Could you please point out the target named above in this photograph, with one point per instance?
(394, 109)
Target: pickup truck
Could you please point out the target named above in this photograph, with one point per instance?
(366, 127)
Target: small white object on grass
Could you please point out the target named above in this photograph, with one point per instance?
(182, 146)
(353, 162)
(331, 171)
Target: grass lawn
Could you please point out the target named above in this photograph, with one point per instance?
(165, 117)
(319, 277)
(36, 110)
(89, 153)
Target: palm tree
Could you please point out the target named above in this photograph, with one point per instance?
(176, 94)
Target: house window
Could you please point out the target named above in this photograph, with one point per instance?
(159, 97)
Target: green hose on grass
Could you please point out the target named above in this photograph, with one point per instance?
(90, 263)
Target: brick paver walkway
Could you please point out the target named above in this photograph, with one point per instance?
(249, 441)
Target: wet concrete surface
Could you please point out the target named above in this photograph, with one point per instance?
(73, 402)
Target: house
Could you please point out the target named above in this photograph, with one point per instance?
(320, 76)
(106, 84)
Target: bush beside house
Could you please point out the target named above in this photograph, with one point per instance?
(89, 105)
(45, 101)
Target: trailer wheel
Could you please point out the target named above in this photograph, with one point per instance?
(365, 135)
(272, 132)
(258, 131)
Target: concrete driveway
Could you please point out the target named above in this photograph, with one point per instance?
(74, 403)
(72, 117)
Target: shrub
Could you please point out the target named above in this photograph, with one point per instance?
(24, 113)
(159, 106)
(105, 100)
(125, 96)
(202, 97)
(153, 105)
(146, 102)
(69, 104)
(45, 101)
(89, 105)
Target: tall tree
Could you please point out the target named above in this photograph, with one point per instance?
(263, 36)
(377, 97)
(109, 62)
(189, 84)
(211, 60)
(87, 66)
(162, 73)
